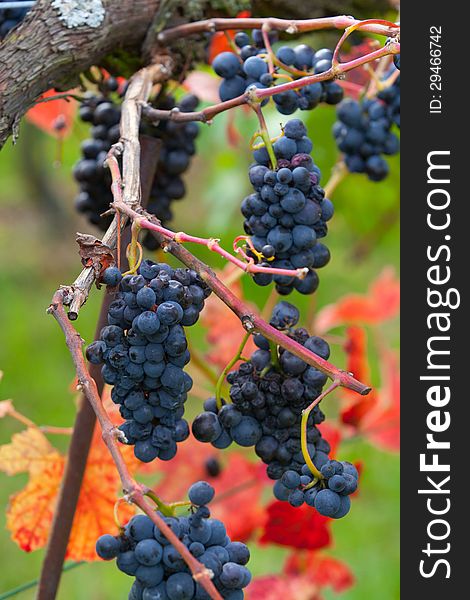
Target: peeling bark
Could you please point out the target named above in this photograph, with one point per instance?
(44, 52)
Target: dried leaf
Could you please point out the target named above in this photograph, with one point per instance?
(29, 450)
(94, 253)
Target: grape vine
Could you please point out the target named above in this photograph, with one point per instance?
(273, 403)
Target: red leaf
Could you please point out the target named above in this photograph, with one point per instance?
(239, 488)
(382, 425)
(275, 587)
(381, 303)
(300, 527)
(187, 467)
(322, 570)
(356, 349)
(54, 117)
(377, 415)
(234, 137)
(355, 413)
(359, 76)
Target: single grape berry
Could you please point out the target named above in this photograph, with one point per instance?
(201, 493)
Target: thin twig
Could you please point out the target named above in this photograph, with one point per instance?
(303, 428)
(254, 94)
(287, 25)
(210, 243)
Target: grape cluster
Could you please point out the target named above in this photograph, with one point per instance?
(175, 154)
(10, 18)
(329, 495)
(90, 173)
(287, 213)
(144, 351)
(250, 68)
(363, 131)
(141, 551)
(266, 410)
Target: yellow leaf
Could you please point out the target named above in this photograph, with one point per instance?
(29, 450)
(30, 512)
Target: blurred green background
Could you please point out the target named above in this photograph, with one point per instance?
(38, 252)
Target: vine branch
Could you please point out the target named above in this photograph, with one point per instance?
(134, 491)
(255, 95)
(272, 24)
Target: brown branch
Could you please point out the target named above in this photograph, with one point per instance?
(270, 23)
(134, 491)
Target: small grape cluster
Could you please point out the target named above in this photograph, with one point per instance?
(328, 494)
(266, 411)
(144, 351)
(174, 157)
(90, 173)
(250, 67)
(10, 18)
(143, 552)
(363, 131)
(288, 211)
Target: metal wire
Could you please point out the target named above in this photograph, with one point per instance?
(17, 4)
